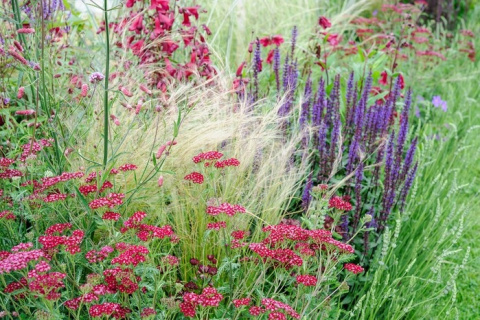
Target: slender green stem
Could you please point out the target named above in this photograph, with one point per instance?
(105, 98)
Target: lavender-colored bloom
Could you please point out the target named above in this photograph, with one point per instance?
(305, 107)
(391, 103)
(334, 138)
(350, 92)
(389, 160)
(358, 199)
(408, 158)
(352, 154)
(389, 195)
(408, 185)
(438, 102)
(318, 105)
(307, 194)
(257, 65)
(294, 39)
(5, 100)
(351, 111)
(276, 67)
(344, 226)
(96, 77)
(322, 151)
(402, 133)
(286, 66)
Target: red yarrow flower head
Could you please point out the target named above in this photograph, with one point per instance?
(307, 280)
(109, 215)
(241, 302)
(339, 203)
(195, 177)
(108, 309)
(130, 254)
(147, 312)
(210, 155)
(217, 225)
(353, 268)
(277, 316)
(227, 208)
(232, 162)
(111, 200)
(210, 297)
(127, 167)
(324, 22)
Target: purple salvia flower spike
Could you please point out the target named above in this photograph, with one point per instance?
(307, 195)
(294, 40)
(408, 185)
(276, 68)
(257, 62)
(358, 199)
(408, 159)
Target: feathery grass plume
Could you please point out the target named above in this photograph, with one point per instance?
(215, 121)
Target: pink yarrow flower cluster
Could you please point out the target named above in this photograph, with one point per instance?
(71, 243)
(108, 309)
(146, 232)
(227, 208)
(208, 298)
(130, 254)
(339, 203)
(111, 200)
(195, 177)
(353, 268)
(307, 280)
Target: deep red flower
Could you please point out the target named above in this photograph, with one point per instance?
(353, 268)
(324, 22)
(307, 280)
(195, 177)
(270, 57)
(383, 78)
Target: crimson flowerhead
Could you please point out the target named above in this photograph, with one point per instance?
(324, 22)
